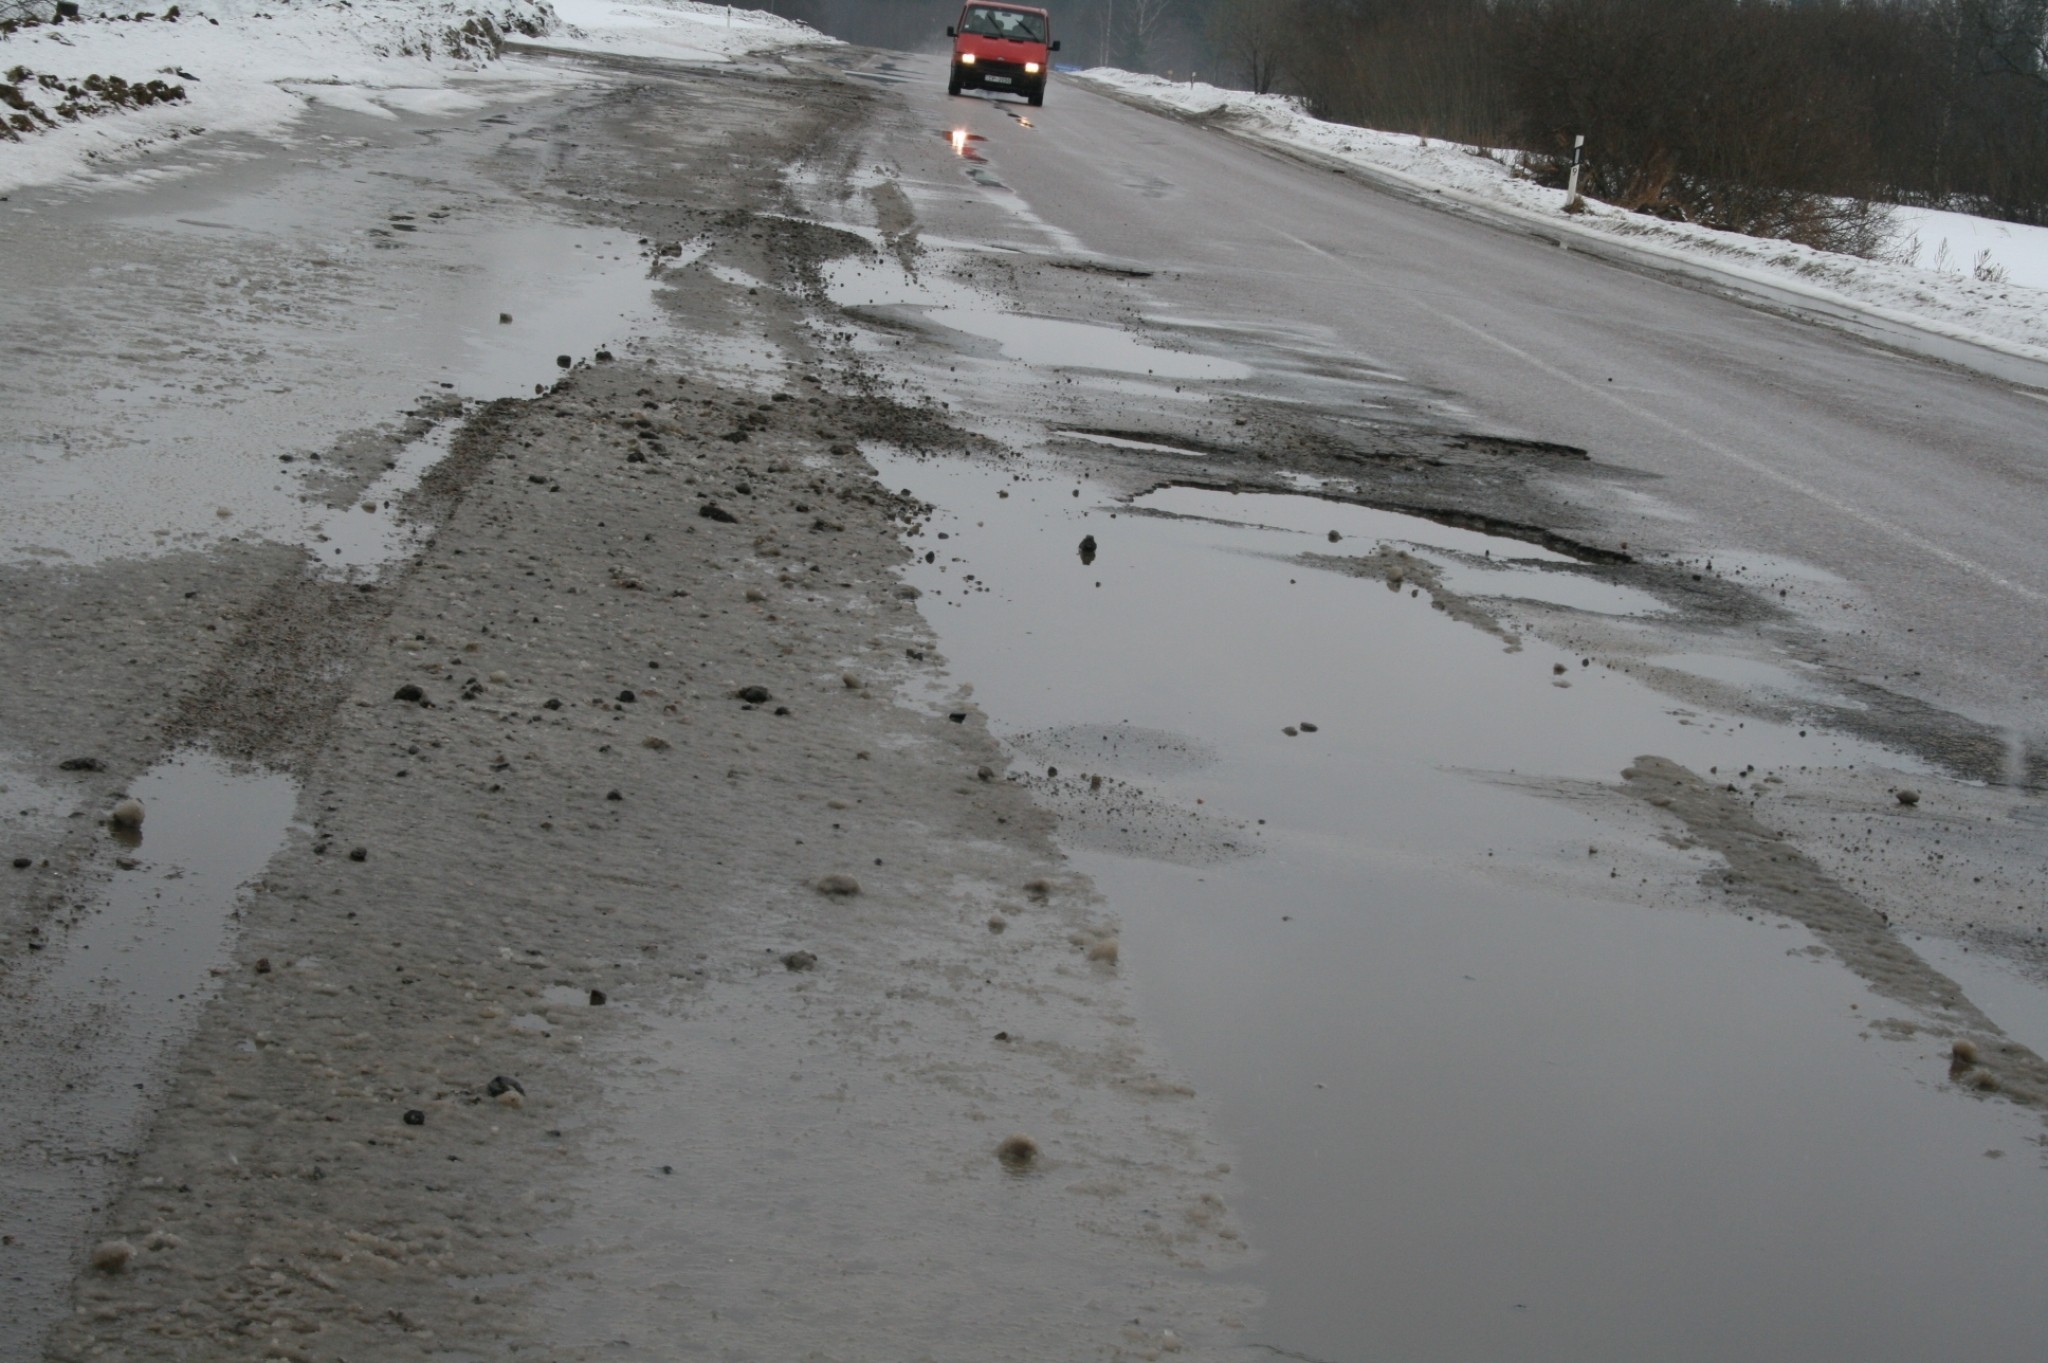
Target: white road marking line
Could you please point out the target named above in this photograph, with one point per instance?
(1783, 479)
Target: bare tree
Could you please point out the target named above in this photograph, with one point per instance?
(2012, 36)
(1253, 36)
(1147, 19)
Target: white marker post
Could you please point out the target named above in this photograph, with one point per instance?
(1571, 192)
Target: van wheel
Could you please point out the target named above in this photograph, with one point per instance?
(953, 82)
(1036, 96)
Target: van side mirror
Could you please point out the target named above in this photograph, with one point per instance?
(950, 33)
(1055, 44)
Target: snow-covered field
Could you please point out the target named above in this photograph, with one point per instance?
(252, 66)
(1964, 277)
(1959, 244)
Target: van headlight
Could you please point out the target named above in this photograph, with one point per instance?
(1030, 68)
(967, 59)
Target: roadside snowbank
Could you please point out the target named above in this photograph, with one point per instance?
(250, 67)
(678, 30)
(2003, 306)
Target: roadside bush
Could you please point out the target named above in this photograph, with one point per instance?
(1430, 67)
(1719, 112)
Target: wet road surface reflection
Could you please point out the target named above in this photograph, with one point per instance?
(966, 144)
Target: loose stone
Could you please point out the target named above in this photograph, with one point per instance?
(112, 1256)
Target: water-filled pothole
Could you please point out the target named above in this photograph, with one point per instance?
(1310, 515)
(366, 536)
(1056, 343)
(87, 1021)
(1143, 444)
(1479, 1032)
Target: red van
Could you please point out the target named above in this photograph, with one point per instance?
(1002, 47)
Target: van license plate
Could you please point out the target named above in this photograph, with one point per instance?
(998, 80)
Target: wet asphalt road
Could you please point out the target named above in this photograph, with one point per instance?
(1916, 484)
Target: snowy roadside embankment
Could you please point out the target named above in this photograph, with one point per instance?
(1939, 283)
(677, 30)
(78, 96)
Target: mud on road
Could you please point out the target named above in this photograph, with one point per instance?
(545, 948)
(662, 950)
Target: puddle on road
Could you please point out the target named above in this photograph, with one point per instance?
(1469, 562)
(1040, 342)
(1747, 675)
(87, 1022)
(965, 144)
(1570, 590)
(1055, 343)
(735, 276)
(359, 540)
(748, 363)
(1119, 442)
(1320, 517)
(164, 354)
(879, 281)
(1503, 1081)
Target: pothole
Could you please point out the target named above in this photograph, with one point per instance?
(1056, 343)
(367, 536)
(1143, 442)
(1465, 952)
(88, 1020)
(1334, 521)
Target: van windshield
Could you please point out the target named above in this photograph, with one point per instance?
(987, 21)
